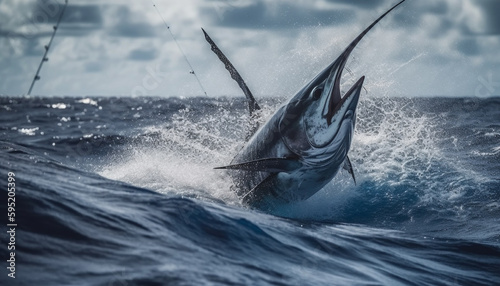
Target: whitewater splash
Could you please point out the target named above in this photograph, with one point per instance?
(404, 157)
(429, 216)
(394, 145)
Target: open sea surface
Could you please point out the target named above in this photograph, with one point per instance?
(122, 191)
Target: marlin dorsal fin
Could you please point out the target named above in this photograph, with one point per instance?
(252, 103)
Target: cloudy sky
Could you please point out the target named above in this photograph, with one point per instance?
(122, 48)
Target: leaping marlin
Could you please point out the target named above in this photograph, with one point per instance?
(304, 144)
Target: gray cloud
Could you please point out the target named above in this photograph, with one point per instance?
(93, 66)
(133, 30)
(412, 13)
(25, 33)
(445, 38)
(128, 26)
(468, 47)
(78, 20)
(363, 4)
(143, 54)
(32, 47)
(490, 11)
(14, 34)
(442, 28)
(279, 15)
(88, 14)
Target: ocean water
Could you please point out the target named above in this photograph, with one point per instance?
(122, 191)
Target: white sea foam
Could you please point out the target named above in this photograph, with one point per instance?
(59, 106)
(28, 131)
(180, 157)
(394, 145)
(87, 101)
(393, 142)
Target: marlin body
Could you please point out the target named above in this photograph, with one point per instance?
(304, 144)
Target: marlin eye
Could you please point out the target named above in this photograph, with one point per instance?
(348, 114)
(316, 93)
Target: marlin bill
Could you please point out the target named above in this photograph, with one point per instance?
(304, 144)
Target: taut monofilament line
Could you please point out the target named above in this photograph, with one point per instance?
(179, 47)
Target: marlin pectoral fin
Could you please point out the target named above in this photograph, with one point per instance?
(252, 103)
(348, 167)
(261, 190)
(271, 165)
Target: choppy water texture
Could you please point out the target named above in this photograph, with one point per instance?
(121, 191)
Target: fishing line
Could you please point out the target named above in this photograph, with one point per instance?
(47, 47)
(180, 49)
(352, 74)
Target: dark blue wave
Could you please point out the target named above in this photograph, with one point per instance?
(76, 227)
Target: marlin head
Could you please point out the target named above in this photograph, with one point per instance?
(327, 110)
(305, 143)
(320, 106)
(319, 121)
